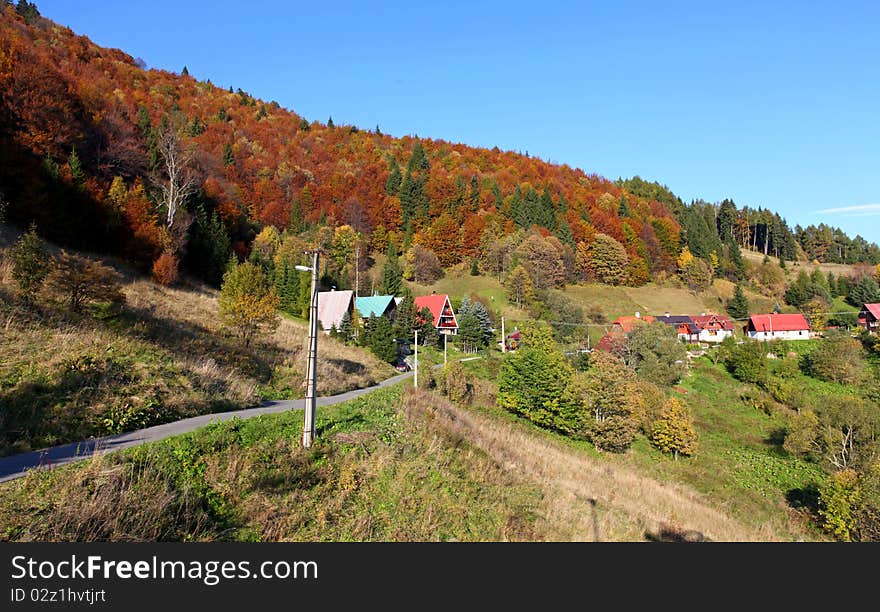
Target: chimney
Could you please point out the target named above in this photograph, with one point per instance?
(667, 314)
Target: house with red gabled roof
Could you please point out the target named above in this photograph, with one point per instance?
(621, 328)
(870, 317)
(778, 327)
(712, 327)
(441, 309)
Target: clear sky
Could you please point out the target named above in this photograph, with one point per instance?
(773, 104)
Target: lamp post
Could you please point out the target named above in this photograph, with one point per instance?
(311, 369)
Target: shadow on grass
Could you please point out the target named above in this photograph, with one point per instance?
(670, 533)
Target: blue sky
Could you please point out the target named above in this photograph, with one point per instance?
(773, 104)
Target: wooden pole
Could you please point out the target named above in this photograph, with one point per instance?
(311, 371)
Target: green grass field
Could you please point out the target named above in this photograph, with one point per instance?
(381, 469)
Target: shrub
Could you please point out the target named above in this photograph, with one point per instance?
(165, 270)
(30, 263)
(747, 362)
(248, 305)
(674, 431)
(838, 358)
(79, 281)
(839, 497)
(455, 383)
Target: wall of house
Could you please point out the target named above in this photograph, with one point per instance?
(780, 335)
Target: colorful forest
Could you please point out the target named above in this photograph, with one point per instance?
(105, 155)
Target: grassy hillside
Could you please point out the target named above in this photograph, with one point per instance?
(739, 468)
(381, 469)
(398, 464)
(64, 377)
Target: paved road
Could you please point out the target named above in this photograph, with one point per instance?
(15, 466)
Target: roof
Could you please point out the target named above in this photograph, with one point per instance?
(332, 306)
(434, 302)
(627, 322)
(702, 320)
(678, 320)
(874, 309)
(373, 305)
(778, 322)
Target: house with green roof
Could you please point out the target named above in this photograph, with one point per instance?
(376, 306)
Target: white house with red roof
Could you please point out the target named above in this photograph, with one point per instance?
(778, 327)
(712, 327)
(870, 317)
(441, 309)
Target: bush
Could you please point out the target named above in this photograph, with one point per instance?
(165, 270)
(747, 362)
(455, 383)
(838, 358)
(615, 434)
(79, 281)
(674, 431)
(839, 497)
(30, 263)
(656, 354)
(248, 305)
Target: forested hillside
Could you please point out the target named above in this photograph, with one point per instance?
(103, 154)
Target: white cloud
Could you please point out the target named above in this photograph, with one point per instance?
(862, 210)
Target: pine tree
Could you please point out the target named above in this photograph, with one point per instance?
(330, 123)
(392, 275)
(392, 184)
(76, 169)
(428, 335)
(470, 334)
(475, 270)
(30, 263)
(738, 305)
(228, 156)
(184, 72)
(346, 330)
(382, 342)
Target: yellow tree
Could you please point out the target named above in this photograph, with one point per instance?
(877, 273)
(519, 285)
(674, 430)
(248, 304)
(685, 258)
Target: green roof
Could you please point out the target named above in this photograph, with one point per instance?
(374, 305)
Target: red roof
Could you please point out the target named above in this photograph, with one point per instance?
(874, 309)
(628, 322)
(778, 322)
(435, 303)
(702, 320)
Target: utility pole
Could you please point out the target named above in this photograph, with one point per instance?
(503, 339)
(445, 337)
(357, 270)
(416, 369)
(311, 370)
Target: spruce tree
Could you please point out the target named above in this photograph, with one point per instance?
(392, 184)
(228, 156)
(345, 328)
(30, 263)
(738, 305)
(382, 342)
(76, 169)
(330, 123)
(392, 275)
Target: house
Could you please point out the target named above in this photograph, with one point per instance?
(441, 308)
(513, 340)
(870, 317)
(713, 327)
(778, 327)
(621, 328)
(684, 326)
(376, 306)
(332, 306)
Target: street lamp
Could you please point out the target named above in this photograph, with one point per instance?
(311, 368)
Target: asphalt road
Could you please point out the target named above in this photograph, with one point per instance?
(15, 466)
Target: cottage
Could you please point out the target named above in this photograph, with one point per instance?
(332, 306)
(621, 328)
(870, 317)
(376, 306)
(778, 327)
(713, 327)
(441, 309)
(684, 326)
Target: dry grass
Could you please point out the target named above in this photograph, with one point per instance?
(586, 498)
(65, 377)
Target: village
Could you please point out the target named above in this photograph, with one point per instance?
(334, 307)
